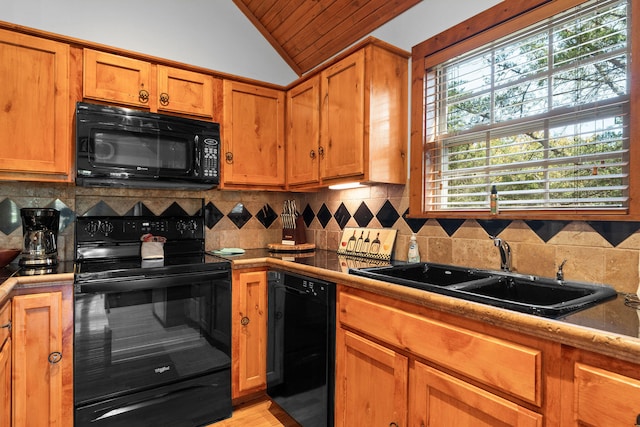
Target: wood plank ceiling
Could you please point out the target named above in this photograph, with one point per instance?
(308, 32)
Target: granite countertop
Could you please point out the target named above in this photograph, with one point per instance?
(611, 328)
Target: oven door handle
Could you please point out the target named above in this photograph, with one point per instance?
(138, 283)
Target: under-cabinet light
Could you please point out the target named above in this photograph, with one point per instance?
(346, 186)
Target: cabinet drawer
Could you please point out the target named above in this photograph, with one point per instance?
(5, 318)
(509, 367)
(604, 398)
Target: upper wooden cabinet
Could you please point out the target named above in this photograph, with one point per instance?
(361, 131)
(253, 137)
(37, 110)
(303, 133)
(129, 81)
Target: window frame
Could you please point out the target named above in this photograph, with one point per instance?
(502, 19)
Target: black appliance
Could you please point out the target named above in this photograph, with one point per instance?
(123, 147)
(301, 347)
(152, 341)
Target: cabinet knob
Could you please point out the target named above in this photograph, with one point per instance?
(312, 154)
(321, 151)
(244, 321)
(164, 99)
(143, 96)
(229, 157)
(392, 424)
(55, 357)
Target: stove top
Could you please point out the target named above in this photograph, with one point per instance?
(108, 248)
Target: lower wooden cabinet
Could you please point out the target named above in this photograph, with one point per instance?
(42, 335)
(370, 383)
(439, 399)
(5, 365)
(399, 364)
(249, 332)
(600, 391)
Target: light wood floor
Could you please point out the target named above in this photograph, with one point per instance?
(261, 413)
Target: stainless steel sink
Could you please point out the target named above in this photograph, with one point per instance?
(527, 294)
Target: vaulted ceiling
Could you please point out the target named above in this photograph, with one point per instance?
(308, 32)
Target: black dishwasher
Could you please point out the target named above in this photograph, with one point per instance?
(301, 347)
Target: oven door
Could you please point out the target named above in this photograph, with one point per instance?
(146, 343)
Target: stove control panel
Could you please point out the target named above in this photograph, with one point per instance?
(128, 229)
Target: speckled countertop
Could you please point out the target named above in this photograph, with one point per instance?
(611, 328)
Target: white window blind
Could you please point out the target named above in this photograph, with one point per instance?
(541, 114)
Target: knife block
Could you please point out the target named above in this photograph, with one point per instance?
(295, 236)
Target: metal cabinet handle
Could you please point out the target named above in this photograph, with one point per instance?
(244, 321)
(392, 424)
(6, 326)
(164, 99)
(55, 357)
(312, 154)
(229, 157)
(143, 95)
(321, 151)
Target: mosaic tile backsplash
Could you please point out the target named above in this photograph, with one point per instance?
(598, 251)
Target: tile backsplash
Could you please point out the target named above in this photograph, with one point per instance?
(602, 252)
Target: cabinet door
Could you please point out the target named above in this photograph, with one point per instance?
(5, 384)
(35, 124)
(371, 383)
(438, 399)
(249, 332)
(187, 92)
(603, 398)
(303, 132)
(343, 118)
(38, 361)
(118, 79)
(253, 135)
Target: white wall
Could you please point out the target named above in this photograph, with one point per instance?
(210, 33)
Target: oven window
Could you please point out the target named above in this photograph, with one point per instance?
(128, 341)
(121, 148)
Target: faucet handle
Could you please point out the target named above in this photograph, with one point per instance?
(560, 273)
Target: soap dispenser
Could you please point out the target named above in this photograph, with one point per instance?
(414, 253)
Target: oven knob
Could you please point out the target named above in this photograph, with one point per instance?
(186, 226)
(106, 227)
(92, 227)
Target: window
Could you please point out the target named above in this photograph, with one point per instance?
(538, 107)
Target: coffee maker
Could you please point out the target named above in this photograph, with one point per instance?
(40, 230)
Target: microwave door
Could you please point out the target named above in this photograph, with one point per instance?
(125, 153)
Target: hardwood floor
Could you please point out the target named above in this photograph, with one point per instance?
(261, 413)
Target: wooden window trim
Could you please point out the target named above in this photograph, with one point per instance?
(509, 16)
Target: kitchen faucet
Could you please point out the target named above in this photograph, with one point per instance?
(505, 253)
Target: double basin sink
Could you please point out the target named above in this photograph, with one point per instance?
(523, 293)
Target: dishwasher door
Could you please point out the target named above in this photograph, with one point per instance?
(301, 347)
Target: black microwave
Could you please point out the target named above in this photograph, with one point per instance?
(123, 147)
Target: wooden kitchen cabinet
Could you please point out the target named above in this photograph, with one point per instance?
(253, 137)
(303, 133)
(37, 109)
(42, 337)
(371, 383)
(362, 101)
(5, 365)
(599, 391)
(249, 332)
(129, 81)
(459, 371)
(439, 399)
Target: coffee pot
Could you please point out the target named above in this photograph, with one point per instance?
(40, 229)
